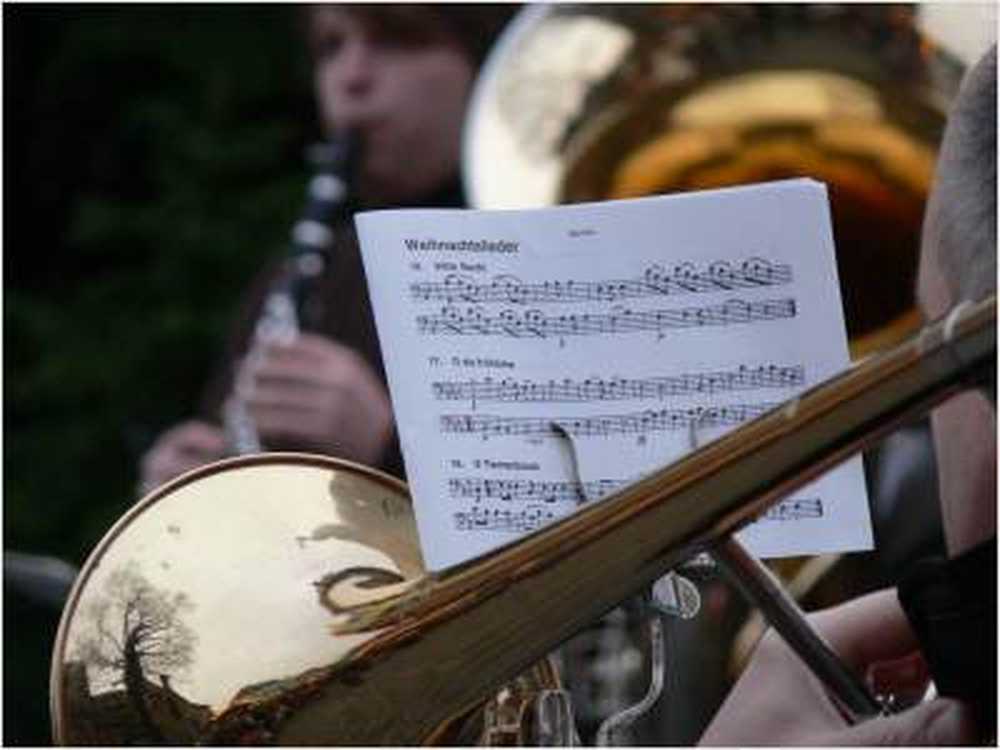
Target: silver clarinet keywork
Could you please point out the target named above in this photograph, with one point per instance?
(310, 246)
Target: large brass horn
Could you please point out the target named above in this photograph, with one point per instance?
(589, 102)
(281, 598)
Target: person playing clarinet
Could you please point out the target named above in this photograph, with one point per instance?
(397, 78)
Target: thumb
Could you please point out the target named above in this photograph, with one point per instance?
(941, 722)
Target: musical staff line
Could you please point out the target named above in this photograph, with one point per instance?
(683, 278)
(535, 324)
(570, 390)
(649, 420)
(794, 510)
(528, 490)
(479, 518)
(497, 519)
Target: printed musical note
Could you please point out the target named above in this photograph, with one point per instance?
(682, 278)
(608, 424)
(794, 510)
(481, 489)
(498, 519)
(533, 516)
(474, 321)
(567, 390)
(659, 323)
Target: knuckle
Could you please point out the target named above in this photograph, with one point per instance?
(353, 359)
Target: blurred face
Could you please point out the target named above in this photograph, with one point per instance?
(964, 430)
(402, 84)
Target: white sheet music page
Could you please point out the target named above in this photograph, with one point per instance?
(638, 329)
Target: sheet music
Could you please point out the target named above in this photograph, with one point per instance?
(633, 330)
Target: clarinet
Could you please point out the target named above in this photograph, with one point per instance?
(310, 248)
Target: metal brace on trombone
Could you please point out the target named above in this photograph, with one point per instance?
(676, 595)
(673, 595)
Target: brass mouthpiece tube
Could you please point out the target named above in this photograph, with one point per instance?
(450, 637)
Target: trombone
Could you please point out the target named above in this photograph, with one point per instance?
(396, 655)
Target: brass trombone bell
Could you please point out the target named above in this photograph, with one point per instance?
(281, 598)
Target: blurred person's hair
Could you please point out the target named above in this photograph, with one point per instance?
(961, 222)
(474, 26)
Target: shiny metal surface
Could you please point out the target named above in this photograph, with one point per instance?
(219, 588)
(594, 102)
(564, 77)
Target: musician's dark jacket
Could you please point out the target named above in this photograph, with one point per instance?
(338, 308)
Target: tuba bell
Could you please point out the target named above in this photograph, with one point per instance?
(596, 102)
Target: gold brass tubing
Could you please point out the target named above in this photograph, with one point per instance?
(716, 490)
(492, 617)
(437, 649)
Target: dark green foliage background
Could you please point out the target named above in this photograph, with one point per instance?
(153, 158)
